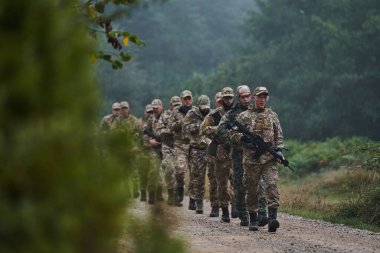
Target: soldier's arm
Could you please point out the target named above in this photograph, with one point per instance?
(208, 126)
(235, 135)
(224, 129)
(175, 122)
(190, 124)
(278, 136)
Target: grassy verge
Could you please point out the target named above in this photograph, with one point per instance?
(349, 196)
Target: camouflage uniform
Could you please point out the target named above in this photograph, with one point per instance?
(107, 121)
(181, 146)
(265, 123)
(198, 145)
(208, 129)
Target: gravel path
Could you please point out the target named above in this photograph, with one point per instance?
(204, 234)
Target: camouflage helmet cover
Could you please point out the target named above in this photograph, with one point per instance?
(218, 96)
(175, 100)
(260, 90)
(157, 103)
(227, 92)
(124, 104)
(116, 106)
(186, 93)
(203, 102)
(148, 108)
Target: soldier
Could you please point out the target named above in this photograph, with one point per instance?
(181, 145)
(224, 132)
(105, 124)
(154, 175)
(144, 158)
(210, 131)
(167, 142)
(128, 123)
(264, 122)
(222, 160)
(198, 145)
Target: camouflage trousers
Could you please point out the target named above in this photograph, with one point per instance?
(181, 153)
(238, 184)
(252, 175)
(197, 173)
(168, 166)
(154, 172)
(213, 184)
(223, 172)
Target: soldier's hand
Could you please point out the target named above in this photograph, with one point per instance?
(154, 143)
(279, 152)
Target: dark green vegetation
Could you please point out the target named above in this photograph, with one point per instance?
(319, 59)
(336, 180)
(58, 193)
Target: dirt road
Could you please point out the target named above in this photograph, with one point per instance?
(204, 234)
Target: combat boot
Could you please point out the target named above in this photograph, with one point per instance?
(273, 223)
(159, 194)
(152, 197)
(180, 193)
(199, 206)
(263, 219)
(244, 221)
(253, 222)
(225, 215)
(143, 195)
(234, 211)
(171, 198)
(191, 204)
(214, 212)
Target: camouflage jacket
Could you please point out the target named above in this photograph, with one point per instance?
(161, 129)
(264, 123)
(224, 130)
(129, 122)
(191, 129)
(211, 122)
(175, 125)
(107, 121)
(151, 126)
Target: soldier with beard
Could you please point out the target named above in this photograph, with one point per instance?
(167, 142)
(181, 145)
(208, 129)
(198, 145)
(224, 132)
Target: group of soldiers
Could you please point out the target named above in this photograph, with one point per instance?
(242, 178)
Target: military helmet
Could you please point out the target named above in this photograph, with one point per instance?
(115, 106)
(227, 92)
(218, 96)
(186, 93)
(124, 104)
(148, 108)
(203, 102)
(242, 89)
(260, 90)
(175, 101)
(157, 103)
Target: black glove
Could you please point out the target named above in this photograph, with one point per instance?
(245, 139)
(184, 109)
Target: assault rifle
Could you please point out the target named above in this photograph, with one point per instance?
(259, 144)
(152, 135)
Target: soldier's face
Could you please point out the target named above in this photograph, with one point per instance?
(116, 112)
(228, 100)
(261, 101)
(245, 98)
(157, 110)
(218, 103)
(187, 101)
(125, 111)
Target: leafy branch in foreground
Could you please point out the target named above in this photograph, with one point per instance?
(99, 22)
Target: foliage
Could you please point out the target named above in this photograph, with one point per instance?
(320, 61)
(59, 192)
(99, 21)
(184, 38)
